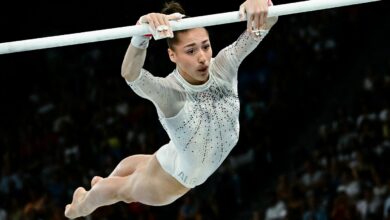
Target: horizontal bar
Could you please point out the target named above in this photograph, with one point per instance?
(187, 23)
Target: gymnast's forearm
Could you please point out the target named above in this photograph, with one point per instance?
(133, 62)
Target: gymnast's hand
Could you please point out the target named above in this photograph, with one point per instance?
(159, 24)
(256, 12)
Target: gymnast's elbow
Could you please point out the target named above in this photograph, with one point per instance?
(125, 72)
(133, 63)
(131, 68)
(128, 75)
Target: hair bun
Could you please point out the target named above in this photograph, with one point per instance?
(172, 7)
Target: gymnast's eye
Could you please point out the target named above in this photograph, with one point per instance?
(190, 51)
(206, 47)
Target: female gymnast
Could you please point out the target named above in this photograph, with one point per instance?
(197, 105)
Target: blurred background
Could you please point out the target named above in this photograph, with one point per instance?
(314, 115)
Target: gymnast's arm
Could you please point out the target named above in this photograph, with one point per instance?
(136, 53)
(229, 59)
(134, 59)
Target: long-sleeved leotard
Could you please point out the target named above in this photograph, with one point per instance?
(202, 121)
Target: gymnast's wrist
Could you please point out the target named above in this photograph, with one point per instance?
(259, 34)
(140, 42)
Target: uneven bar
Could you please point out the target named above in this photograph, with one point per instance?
(187, 23)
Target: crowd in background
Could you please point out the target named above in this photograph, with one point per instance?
(345, 174)
(75, 118)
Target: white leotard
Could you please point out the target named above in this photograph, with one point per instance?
(201, 120)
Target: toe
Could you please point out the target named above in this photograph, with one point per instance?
(95, 180)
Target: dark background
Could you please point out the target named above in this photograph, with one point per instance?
(67, 115)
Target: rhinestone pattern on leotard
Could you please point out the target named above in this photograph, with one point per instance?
(205, 128)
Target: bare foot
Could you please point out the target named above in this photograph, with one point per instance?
(95, 179)
(74, 210)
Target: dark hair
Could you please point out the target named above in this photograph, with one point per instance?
(170, 8)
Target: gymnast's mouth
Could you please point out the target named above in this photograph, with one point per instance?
(203, 69)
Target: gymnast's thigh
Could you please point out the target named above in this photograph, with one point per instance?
(152, 185)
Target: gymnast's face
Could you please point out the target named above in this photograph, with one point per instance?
(192, 54)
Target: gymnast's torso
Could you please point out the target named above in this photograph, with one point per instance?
(202, 121)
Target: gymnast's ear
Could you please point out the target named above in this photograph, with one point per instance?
(172, 55)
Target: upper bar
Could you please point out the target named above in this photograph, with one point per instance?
(187, 23)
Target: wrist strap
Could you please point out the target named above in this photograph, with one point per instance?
(140, 42)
